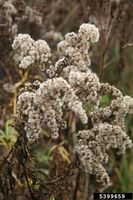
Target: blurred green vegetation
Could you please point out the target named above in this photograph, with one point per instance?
(8, 136)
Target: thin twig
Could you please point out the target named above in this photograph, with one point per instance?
(10, 152)
(108, 40)
(76, 186)
(86, 187)
(128, 45)
(27, 181)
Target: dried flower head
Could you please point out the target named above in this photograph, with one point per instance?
(31, 52)
(76, 46)
(43, 108)
(72, 86)
(8, 11)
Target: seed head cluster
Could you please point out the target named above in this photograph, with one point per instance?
(71, 86)
(43, 108)
(30, 51)
(13, 12)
